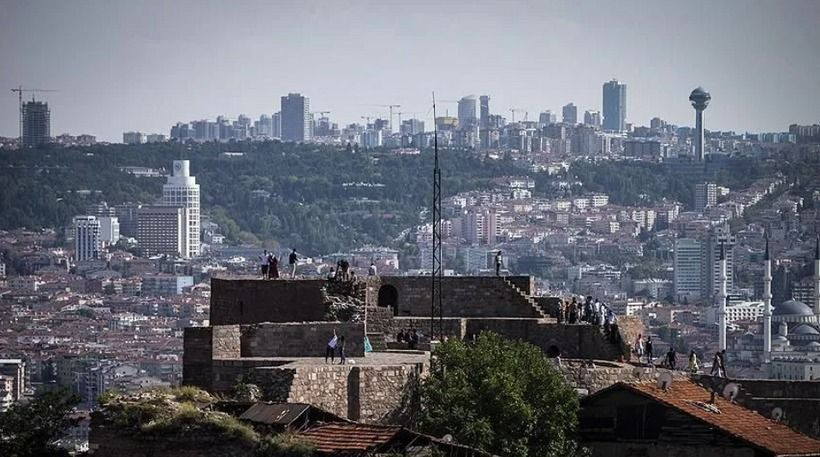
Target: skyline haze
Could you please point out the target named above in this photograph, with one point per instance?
(145, 65)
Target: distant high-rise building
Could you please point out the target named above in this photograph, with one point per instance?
(484, 117)
(467, 107)
(614, 106)
(570, 114)
(657, 123)
(705, 195)
(36, 123)
(296, 118)
(109, 230)
(700, 100)
(139, 137)
(276, 125)
(412, 127)
(155, 138)
(87, 240)
(592, 118)
(688, 257)
(182, 190)
(127, 218)
(711, 265)
(547, 118)
(162, 230)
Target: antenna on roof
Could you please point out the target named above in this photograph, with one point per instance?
(665, 380)
(777, 414)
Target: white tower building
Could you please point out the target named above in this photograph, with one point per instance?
(183, 191)
(87, 239)
(722, 294)
(767, 305)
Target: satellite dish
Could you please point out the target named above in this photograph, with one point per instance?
(777, 414)
(665, 380)
(637, 372)
(448, 438)
(730, 391)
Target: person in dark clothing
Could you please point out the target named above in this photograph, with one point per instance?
(723, 362)
(292, 258)
(717, 366)
(401, 337)
(649, 358)
(345, 266)
(273, 266)
(498, 263)
(413, 341)
(341, 346)
(263, 264)
(671, 359)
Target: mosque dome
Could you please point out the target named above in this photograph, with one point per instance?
(781, 338)
(792, 308)
(804, 329)
(813, 346)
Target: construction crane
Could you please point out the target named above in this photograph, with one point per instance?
(20, 90)
(518, 110)
(390, 107)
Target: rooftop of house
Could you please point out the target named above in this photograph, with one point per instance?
(729, 417)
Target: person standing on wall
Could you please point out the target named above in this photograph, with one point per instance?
(292, 259)
(330, 351)
(499, 261)
(263, 263)
(273, 266)
(341, 346)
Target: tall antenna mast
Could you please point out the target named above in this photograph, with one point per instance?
(436, 313)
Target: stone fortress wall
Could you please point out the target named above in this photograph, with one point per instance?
(274, 334)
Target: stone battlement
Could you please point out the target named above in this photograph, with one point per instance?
(250, 301)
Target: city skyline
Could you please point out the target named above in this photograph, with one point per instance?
(118, 69)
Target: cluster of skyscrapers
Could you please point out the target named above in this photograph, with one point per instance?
(294, 122)
(170, 227)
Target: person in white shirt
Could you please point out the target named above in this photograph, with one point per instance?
(330, 351)
(372, 270)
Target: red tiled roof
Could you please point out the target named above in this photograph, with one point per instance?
(333, 438)
(735, 420)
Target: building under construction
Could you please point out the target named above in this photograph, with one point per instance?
(36, 123)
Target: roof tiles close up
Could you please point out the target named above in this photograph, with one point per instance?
(735, 420)
(333, 438)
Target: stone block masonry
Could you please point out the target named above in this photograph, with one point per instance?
(465, 296)
(368, 393)
(302, 339)
(250, 301)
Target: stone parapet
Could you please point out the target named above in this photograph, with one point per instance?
(299, 339)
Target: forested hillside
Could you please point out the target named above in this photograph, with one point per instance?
(321, 198)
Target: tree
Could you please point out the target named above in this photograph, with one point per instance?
(500, 396)
(31, 429)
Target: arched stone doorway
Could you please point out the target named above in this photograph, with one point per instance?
(389, 296)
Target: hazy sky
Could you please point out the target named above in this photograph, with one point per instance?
(143, 65)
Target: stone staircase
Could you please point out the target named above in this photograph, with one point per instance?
(535, 306)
